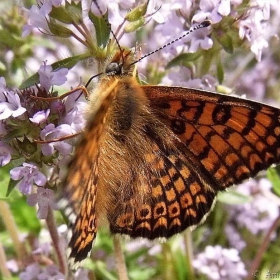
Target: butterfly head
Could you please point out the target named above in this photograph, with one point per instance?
(120, 64)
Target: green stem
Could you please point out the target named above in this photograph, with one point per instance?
(3, 268)
(256, 262)
(12, 229)
(187, 235)
(206, 63)
(168, 264)
(56, 241)
(239, 70)
(120, 259)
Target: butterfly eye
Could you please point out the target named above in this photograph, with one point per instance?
(114, 69)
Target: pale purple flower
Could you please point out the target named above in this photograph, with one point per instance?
(199, 39)
(5, 153)
(10, 105)
(181, 76)
(40, 116)
(50, 132)
(258, 214)
(178, 76)
(224, 8)
(28, 174)
(116, 12)
(44, 248)
(45, 199)
(256, 81)
(34, 271)
(31, 272)
(38, 15)
(56, 3)
(26, 30)
(75, 105)
(234, 238)
(258, 43)
(219, 263)
(57, 106)
(48, 77)
(12, 265)
(213, 10)
(2, 84)
(37, 19)
(103, 6)
(254, 28)
(163, 33)
(81, 274)
(135, 245)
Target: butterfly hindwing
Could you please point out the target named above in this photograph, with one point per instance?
(158, 189)
(179, 196)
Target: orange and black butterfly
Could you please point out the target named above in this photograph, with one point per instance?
(153, 158)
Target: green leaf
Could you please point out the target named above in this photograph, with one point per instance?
(274, 177)
(179, 264)
(220, 72)
(102, 28)
(11, 186)
(68, 63)
(183, 59)
(31, 81)
(4, 179)
(233, 197)
(226, 42)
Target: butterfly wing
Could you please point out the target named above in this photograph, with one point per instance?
(178, 195)
(233, 138)
(79, 192)
(215, 141)
(79, 201)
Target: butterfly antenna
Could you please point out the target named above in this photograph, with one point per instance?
(108, 24)
(91, 78)
(203, 24)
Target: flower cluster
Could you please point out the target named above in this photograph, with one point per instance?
(259, 213)
(34, 271)
(30, 115)
(220, 263)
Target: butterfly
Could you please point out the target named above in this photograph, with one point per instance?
(153, 158)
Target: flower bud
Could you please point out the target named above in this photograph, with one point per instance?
(137, 12)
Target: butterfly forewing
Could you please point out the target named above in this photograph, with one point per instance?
(232, 138)
(80, 186)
